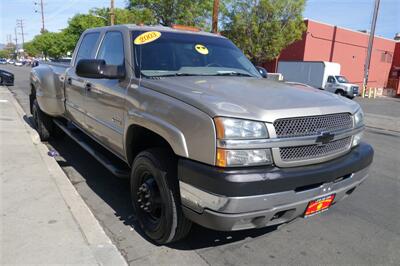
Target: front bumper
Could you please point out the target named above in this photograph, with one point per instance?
(241, 199)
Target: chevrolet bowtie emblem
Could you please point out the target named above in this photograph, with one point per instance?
(324, 138)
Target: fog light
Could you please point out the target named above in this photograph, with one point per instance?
(357, 139)
(226, 158)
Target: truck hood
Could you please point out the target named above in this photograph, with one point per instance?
(250, 98)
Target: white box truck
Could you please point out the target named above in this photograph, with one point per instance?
(319, 74)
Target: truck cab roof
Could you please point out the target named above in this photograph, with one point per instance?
(134, 27)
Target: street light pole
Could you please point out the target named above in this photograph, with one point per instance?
(370, 43)
(215, 16)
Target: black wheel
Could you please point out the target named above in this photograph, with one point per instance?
(340, 92)
(155, 196)
(44, 124)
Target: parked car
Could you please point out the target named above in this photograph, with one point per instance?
(35, 63)
(19, 63)
(319, 74)
(3, 61)
(200, 134)
(6, 78)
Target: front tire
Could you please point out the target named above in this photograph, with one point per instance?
(155, 196)
(341, 93)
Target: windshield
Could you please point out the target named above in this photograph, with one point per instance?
(183, 54)
(341, 79)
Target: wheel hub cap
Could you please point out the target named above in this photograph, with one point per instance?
(146, 195)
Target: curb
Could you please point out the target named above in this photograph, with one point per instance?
(382, 122)
(105, 252)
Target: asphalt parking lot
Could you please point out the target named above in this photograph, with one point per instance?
(363, 229)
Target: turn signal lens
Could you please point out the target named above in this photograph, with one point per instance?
(221, 158)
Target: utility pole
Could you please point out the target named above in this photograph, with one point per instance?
(20, 24)
(112, 14)
(16, 38)
(9, 38)
(42, 13)
(16, 43)
(215, 17)
(370, 43)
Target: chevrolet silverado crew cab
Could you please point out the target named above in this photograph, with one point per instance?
(201, 135)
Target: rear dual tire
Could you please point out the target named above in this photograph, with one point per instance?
(44, 124)
(155, 196)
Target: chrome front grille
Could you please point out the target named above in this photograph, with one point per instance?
(312, 125)
(314, 151)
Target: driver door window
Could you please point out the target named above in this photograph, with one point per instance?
(331, 79)
(112, 49)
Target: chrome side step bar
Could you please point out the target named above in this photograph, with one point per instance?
(118, 169)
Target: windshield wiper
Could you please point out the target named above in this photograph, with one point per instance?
(233, 73)
(174, 75)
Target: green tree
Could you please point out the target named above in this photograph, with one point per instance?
(125, 16)
(79, 23)
(31, 49)
(168, 12)
(4, 53)
(50, 44)
(99, 17)
(263, 28)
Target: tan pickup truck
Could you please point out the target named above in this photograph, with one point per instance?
(201, 134)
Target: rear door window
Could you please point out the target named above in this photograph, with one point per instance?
(87, 49)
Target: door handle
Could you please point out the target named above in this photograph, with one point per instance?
(88, 86)
(69, 81)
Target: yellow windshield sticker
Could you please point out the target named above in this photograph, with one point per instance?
(201, 49)
(147, 37)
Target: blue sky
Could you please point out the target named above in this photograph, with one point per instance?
(356, 14)
(353, 14)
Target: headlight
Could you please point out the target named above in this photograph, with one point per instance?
(243, 131)
(359, 118)
(230, 128)
(357, 139)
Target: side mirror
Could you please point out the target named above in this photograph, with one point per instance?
(98, 69)
(263, 72)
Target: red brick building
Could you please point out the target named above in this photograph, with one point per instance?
(323, 42)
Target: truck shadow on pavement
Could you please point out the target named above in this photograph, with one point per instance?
(101, 191)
